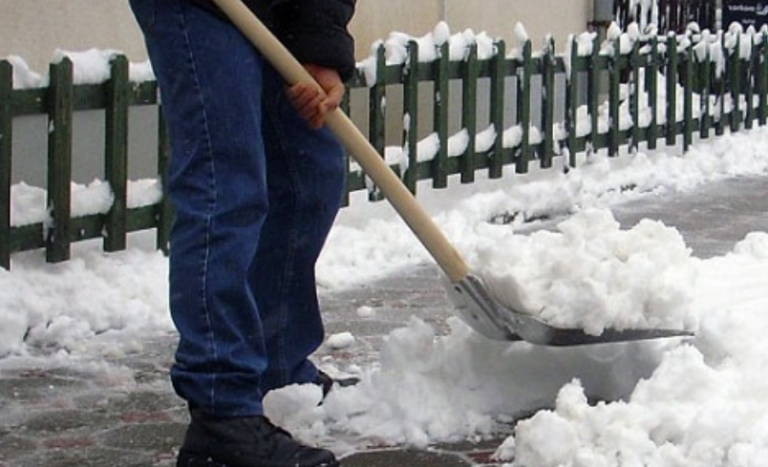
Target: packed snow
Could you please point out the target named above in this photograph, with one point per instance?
(673, 402)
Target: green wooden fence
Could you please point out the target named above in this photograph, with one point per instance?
(723, 89)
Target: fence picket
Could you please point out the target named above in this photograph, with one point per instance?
(164, 215)
(469, 113)
(722, 91)
(548, 106)
(572, 103)
(524, 109)
(671, 81)
(734, 76)
(593, 95)
(688, 84)
(498, 75)
(652, 83)
(377, 95)
(6, 148)
(705, 72)
(411, 110)
(636, 66)
(440, 117)
(614, 80)
(59, 161)
(749, 94)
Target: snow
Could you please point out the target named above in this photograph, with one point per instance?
(426, 388)
(341, 340)
(673, 402)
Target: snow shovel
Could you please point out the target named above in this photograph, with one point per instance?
(474, 303)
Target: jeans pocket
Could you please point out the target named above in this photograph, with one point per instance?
(145, 12)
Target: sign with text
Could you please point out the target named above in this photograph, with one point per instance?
(745, 12)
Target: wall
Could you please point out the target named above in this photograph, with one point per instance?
(33, 29)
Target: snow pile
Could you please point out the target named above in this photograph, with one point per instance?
(92, 302)
(705, 405)
(591, 274)
(29, 203)
(453, 387)
(396, 48)
(91, 66)
(687, 403)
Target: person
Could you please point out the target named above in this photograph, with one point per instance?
(256, 182)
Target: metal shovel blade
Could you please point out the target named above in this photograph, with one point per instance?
(477, 307)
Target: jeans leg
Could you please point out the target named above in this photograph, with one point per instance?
(306, 182)
(210, 79)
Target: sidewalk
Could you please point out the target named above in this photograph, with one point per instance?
(122, 413)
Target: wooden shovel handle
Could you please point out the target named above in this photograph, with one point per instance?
(356, 144)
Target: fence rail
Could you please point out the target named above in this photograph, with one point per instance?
(596, 97)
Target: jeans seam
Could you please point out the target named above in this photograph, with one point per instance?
(211, 207)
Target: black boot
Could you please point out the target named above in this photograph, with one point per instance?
(246, 442)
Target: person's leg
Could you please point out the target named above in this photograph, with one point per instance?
(210, 79)
(306, 172)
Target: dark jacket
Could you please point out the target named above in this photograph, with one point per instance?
(315, 31)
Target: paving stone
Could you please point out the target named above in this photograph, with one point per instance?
(68, 420)
(35, 389)
(86, 457)
(403, 458)
(12, 447)
(151, 437)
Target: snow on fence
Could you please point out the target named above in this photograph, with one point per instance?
(630, 90)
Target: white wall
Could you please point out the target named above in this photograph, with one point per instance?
(33, 29)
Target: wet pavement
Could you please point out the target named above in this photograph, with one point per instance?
(121, 412)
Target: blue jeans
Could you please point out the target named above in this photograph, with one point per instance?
(255, 192)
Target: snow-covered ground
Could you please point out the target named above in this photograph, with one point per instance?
(677, 402)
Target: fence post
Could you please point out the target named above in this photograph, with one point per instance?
(116, 153)
(411, 109)
(377, 113)
(524, 109)
(498, 74)
(469, 113)
(440, 112)
(59, 160)
(6, 140)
